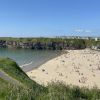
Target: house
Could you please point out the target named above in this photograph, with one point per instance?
(96, 39)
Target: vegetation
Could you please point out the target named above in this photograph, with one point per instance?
(90, 43)
(48, 43)
(59, 91)
(25, 90)
(30, 90)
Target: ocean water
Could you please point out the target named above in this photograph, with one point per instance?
(28, 59)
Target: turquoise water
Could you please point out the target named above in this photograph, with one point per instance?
(28, 59)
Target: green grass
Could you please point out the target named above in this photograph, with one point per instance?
(13, 92)
(59, 91)
(30, 90)
(11, 68)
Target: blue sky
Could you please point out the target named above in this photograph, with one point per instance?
(32, 18)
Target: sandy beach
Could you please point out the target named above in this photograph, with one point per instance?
(77, 67)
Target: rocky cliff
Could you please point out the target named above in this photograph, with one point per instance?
(50, 45)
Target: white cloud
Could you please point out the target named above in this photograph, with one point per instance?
(82, 30)
(87, 31)
(79, 30)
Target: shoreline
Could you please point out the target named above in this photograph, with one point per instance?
(78, 67)
(25, 66)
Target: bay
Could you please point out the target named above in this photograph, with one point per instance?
(28, 59)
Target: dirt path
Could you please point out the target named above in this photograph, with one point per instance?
(8, 78)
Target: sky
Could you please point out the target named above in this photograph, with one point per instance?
(43, 18)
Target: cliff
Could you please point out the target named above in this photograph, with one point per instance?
(43, 43)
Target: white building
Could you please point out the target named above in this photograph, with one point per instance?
(96, 39)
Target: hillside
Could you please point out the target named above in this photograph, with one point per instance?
(16, 85)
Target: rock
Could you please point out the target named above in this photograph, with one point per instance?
(43, 70)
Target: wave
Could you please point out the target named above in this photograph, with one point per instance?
(26, 64)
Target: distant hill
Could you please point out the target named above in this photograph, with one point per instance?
(16, 85)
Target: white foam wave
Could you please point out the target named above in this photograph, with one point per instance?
(26, 64)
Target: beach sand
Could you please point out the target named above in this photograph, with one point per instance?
(77, 67)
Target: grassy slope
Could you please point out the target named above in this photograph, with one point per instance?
(12, 69)
(30, 90)
(27, 89)
(12, 92)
